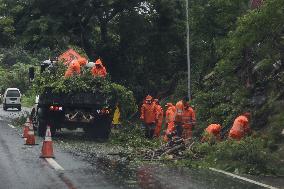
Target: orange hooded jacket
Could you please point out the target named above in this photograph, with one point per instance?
(149, 111)
(99, 70)
(240, 128)
(159, 118)
(185, 115)
(212, 129)
(170, 118)
(75, 67)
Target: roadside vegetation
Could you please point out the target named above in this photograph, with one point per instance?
(237, 56)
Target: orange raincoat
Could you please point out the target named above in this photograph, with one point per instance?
(159, 118)
(240, 128)
(75, 67)
(99, 70)
(170, 118)
(186, 116)
(212, 130)
(148, 112)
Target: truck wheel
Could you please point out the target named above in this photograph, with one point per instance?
(104, 134)
(41, 127)
(20, 108)
(52, 130)
(4, 107)
(103, 131)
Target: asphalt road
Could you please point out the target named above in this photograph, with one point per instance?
(21, 167)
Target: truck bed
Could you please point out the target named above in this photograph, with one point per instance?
(78, 99)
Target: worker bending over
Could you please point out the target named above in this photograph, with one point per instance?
(240, 127)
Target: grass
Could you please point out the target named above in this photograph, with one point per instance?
(249, 156)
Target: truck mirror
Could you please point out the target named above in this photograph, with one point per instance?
(31, 73)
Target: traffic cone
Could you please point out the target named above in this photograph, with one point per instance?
(31, 135)
(47, 148)
(26, 129)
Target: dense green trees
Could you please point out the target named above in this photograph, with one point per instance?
(236, 52)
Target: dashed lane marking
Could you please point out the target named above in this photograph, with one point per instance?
(12, 126)
(54, 164)
(243, 178)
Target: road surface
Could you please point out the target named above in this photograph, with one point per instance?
(21, 167)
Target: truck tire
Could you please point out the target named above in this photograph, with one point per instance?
(103, 128)
(41, 127)
(101, 132)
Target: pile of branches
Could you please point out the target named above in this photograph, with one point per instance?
(172, 150)
(53, 80)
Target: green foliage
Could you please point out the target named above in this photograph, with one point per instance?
(247, 156)
(19, 122)
(125, 100)
(133, 137)
(113, 93)
(28, 99)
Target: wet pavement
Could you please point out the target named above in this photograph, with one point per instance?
(22, 168)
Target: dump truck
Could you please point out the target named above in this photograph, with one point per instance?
(90, 110)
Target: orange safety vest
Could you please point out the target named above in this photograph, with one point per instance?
(185, 115)
(99, 72)
(149, 112)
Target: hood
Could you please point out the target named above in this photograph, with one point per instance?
(82, 61)
(99, 62)
(148, 97)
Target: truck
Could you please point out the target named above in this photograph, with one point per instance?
(90, 110)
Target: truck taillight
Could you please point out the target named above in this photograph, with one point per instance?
(55, 108)
(105, 111)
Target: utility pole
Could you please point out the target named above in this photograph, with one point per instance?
(188, 50)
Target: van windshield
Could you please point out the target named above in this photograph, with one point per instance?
(13, 93)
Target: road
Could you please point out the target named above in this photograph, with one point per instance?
(21, 167)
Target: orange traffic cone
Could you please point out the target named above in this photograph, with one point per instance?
(47, 148)
(26, 129)
(31, 136)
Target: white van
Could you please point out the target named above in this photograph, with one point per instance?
(12, 99)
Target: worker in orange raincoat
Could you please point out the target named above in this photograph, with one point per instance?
(159, 118)
(99, 70)
(148, 116)
(170, 118)
(184, 118)
(75, 67)
(213, 131)
(240, 127)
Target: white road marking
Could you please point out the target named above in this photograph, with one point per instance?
(12, 126)
(54, 164)
(243, 178)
